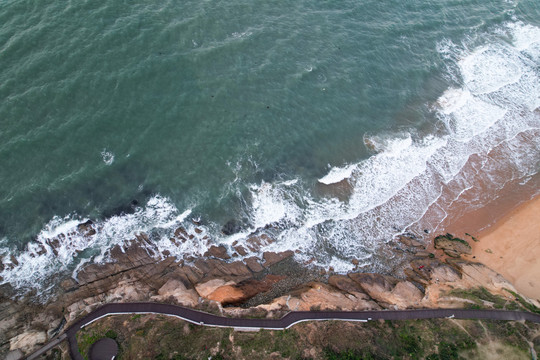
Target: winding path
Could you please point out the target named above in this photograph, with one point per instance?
(202, 318)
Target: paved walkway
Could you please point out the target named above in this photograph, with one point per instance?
(201, 318)
(55, 341)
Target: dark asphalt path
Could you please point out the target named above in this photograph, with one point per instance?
(201, 318)
(55, 341)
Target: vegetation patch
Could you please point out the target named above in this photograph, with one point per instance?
(451, 237)
(527, 305)
(161, 337)
(480, 295)
(472, 237)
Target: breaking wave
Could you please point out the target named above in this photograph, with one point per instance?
(491, 138)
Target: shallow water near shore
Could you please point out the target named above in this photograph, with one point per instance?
(330, 127)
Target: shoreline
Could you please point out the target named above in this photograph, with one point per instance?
(510, 246)
(269, 287)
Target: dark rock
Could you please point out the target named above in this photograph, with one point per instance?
(231, 227)
(452, 244)
(122, 209)
(85, 226)
(452, 253)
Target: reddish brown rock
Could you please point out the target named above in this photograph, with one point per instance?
(255, 243)
(344, 283)
(271, 258)
(41, 250)
(240, 250)
(218, 252)
(90, 232)
(181, 233)
(253, 264)
(409, 241)
(236, 268)
(219, 268)
(143, 238)
(54, 244)
(194, 275)
(238, 293)
(208, 287)
(68, 284)
(14, 260)
(228, 294)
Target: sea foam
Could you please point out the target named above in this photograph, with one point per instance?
(491, 138)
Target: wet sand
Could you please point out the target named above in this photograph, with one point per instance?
(511, 247)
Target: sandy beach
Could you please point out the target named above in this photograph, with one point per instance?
(512, 247)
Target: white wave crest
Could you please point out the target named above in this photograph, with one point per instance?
(493, 137)
(107, 156)
(337, 174)
(57, 247)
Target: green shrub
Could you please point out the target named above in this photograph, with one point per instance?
(448, 351)
(111, 334)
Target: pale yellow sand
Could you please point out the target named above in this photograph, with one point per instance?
(512, 247)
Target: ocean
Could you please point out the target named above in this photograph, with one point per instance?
(331, 126)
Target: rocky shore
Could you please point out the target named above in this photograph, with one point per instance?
(268, 286)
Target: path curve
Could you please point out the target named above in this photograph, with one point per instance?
(206, 319)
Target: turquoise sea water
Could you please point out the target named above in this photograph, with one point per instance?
(142, 115)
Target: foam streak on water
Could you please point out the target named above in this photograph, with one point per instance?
(492, 138)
